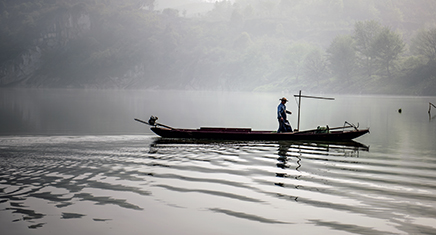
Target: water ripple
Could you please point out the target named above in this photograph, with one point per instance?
(327, 185)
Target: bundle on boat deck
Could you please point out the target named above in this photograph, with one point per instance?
(222, 129)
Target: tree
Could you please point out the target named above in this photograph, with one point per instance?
(150, 4)
(243, 41)
(237, 19)
(293, 61)
(342, 57)
(266, 7)
(222, 11)
(315, 66)
(387, 47)
(424, 43)
(365, 32)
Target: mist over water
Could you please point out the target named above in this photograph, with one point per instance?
(75, 161)
(74, 111)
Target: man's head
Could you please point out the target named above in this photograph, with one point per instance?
(284, 100)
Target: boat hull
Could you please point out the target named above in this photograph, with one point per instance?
(248, 134)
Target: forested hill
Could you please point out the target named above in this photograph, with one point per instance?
(335, 46)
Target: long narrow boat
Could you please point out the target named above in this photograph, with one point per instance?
(248, 134)
(329, 134)
(319, 134)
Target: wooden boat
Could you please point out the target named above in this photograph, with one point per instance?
(248, 134)
(319, 134)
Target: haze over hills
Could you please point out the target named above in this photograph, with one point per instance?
(343, 46)
(186, 8)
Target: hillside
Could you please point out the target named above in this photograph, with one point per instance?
(252, 45)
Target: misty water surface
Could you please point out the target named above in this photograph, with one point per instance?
(75, 162)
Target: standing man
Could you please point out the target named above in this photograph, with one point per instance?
(284, 125)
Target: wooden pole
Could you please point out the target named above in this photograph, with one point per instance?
(429, 106)
(299, 106)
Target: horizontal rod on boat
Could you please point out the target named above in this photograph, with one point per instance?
(314, 97)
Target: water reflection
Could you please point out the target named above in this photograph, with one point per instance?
(267, 171)
(61, 172)
(63, 183)
(294, 149)
(282, 183)
(290, 154)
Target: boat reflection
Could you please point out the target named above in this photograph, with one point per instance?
(290, 153)
(351, 145)
(286, 149)
(298, 165)
(322, 147)
(291, 157)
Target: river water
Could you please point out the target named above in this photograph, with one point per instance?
(75, 162)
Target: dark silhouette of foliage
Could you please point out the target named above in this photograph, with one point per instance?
(242, 44)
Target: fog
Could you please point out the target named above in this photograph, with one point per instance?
(110, 112)
(75, 73)
(343, 46)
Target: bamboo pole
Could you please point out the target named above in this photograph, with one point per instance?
(299, 106)
(429, 106)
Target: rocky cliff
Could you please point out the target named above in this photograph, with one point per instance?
(53, 35)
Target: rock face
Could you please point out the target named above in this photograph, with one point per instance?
(66, 26)
(21, 68)
(57, 32)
